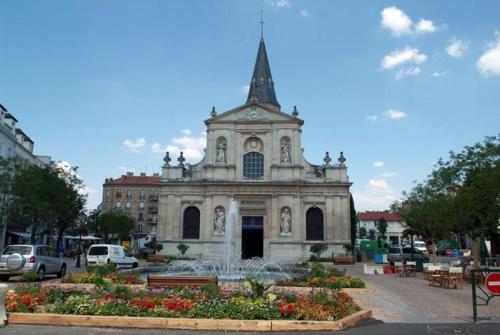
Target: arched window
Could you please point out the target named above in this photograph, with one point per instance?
(253, 165)
(314, 224)
(191, 223)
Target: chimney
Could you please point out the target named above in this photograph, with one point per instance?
(156, 174)
(143, 174)
(130, 174)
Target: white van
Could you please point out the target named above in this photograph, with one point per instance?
(100, 254)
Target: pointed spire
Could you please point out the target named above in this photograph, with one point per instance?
(262, 85)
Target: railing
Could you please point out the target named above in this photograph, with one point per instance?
(488, 288)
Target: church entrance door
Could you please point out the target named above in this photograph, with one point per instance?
(252, 237)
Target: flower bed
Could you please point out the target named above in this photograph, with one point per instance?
(318, 277)
(205, 303)
(93, 278)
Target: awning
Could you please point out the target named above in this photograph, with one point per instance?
(20, 234)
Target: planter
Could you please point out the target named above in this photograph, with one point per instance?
(307, 290)
(181, 323)
(156, 258)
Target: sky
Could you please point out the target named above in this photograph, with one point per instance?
(108, 86)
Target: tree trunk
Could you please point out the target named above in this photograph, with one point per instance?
(475, 252)
(434, 257)
(495, 244)
(59, 238)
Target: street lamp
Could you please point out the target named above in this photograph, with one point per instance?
(81, 230)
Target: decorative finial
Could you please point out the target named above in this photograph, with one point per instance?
(295, 111)
(167, 159)
(261, 24)
(327, 159)
(213, 113)
(341, 158)
(181, 159)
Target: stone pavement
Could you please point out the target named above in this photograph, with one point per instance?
(411, 299)
(369, 328)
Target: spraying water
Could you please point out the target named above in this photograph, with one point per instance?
(232, 218)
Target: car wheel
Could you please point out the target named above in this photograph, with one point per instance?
(135, 265)
(4, 278)
(62, 272)
(41, 273)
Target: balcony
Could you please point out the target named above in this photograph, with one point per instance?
(153, 197)
(153, 209)
(153, 221)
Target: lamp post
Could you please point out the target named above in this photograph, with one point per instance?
(81, 230)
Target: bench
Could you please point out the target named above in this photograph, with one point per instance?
(175, 281)
(343, 260)
(156, 258)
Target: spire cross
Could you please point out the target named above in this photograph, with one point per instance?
(261, 24)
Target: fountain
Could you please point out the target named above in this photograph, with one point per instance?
(229, 268)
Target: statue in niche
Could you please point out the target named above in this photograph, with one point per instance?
(219, 221)
(285, 152)
(285, 222)
(221, 153)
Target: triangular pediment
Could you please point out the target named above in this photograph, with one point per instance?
(254, 112)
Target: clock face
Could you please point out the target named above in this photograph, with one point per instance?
(252, 114)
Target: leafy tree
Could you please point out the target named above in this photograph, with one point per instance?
(183, 248)
(382, 227)
(32, 205)
(316, 250)
(111, 223)
(354, 221)
(362, 232)
(8, 169)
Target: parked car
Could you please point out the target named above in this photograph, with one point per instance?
(420, 245)
(405, 254)
(17, 259)
(100, 254)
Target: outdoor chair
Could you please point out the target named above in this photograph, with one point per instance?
(398, 268)
(454, 279)
(438, 278)
(409, 269)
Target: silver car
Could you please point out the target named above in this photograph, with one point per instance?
(17, 259)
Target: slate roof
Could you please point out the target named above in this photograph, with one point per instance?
(135, 180)
(262, 85)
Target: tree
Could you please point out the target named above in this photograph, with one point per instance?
(31, 205)
(354, 220)
(382, 227)
(8, 169)
(362, 232)
(461, 195)
(111, 223)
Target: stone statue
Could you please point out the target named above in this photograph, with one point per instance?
(221, 153)
(219, 221)
(285, 152)
(285, 222)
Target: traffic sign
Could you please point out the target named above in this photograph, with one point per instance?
(492, 282)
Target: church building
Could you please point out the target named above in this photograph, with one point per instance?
(254, 155)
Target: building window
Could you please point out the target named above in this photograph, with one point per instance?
(108, 193)
(118, 204)
(128, 204)
(139, 228)
(191, 223)
(143, 194)
(118, 194)
(253, 165)
(129, 194)
(141, 204)
(314, 224)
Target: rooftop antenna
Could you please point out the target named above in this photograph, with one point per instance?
(261, 24)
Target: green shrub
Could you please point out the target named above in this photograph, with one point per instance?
(121, 291)
(29, 276)
(317, 249)
(317, 269)
(211, 290)
(183, 248)
(102, 270)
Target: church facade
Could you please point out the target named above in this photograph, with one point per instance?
(254, 155)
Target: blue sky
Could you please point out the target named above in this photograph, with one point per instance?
(108, 85)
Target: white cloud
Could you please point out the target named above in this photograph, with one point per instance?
(192, 146)
(425, 26)
(408, 72)
(378, 164)
(457, 48)
(399, 57)
(399, 23)
(390, 114)
(134, 147)
(396, 21)
(489, 62)
(305, 13)
(406, 61)
(394, 114)
(245, 89)
(387, 174)
(376, 195)
(280, 3)
(438, 74)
